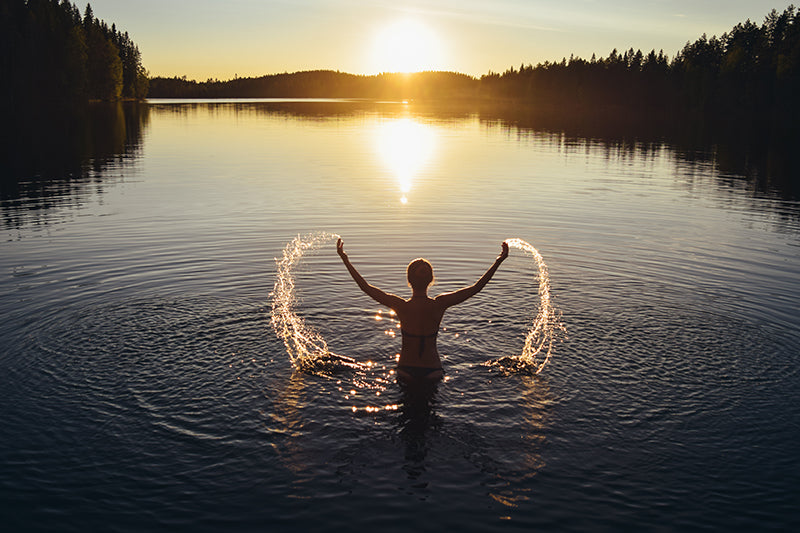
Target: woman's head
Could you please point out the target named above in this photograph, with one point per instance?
(420, 274)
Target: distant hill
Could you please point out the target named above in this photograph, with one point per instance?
(322, 84)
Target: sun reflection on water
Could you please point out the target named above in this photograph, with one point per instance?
(405, 146)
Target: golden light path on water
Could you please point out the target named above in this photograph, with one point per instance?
(406, 147)
(308, 350)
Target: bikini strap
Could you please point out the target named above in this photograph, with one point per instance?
(421, 339)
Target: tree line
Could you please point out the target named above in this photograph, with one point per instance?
(49, 52)
(750, 69)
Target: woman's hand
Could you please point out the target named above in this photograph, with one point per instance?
(340, 248)
(504, 252)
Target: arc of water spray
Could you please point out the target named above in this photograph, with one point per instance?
(303, 344)
(546, 326)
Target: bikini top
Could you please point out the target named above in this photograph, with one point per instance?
(421, 339)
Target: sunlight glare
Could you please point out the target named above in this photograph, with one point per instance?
(406, 46)
(405, 147)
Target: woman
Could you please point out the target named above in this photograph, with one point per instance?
(420, 315)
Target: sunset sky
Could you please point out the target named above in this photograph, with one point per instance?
(214, 39)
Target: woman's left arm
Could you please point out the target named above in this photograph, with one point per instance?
(456, 297)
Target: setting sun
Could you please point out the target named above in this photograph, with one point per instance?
(406, 46)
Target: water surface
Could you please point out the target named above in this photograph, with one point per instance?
(144, 387)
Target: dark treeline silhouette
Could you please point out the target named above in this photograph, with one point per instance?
(50, 53)
(750, 70)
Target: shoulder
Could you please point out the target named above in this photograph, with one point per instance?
(444, 299)
(395, 302)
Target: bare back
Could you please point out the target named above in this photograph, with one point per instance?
(420, 317)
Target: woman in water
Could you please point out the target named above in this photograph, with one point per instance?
(420, 315)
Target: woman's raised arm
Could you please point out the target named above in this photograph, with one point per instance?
(456, 297)
(389, 300)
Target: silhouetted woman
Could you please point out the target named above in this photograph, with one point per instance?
(420, 315)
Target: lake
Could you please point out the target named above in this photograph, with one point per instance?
(144, 386)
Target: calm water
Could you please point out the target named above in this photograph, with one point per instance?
(143, 386)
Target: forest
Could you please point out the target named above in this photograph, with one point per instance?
(50, 53)
(750, 70)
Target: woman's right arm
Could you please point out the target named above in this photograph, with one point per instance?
(456, 297)
(389, 300)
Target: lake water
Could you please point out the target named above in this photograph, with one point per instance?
(143, 385)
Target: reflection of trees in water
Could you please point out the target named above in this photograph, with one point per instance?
(55, 158)
(748, 156)
(320, 110)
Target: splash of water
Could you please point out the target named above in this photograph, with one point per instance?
(306, 347)
(309, 352)
(546, 328)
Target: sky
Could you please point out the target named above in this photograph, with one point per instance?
(203, 39)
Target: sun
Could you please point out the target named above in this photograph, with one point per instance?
(406, 46)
